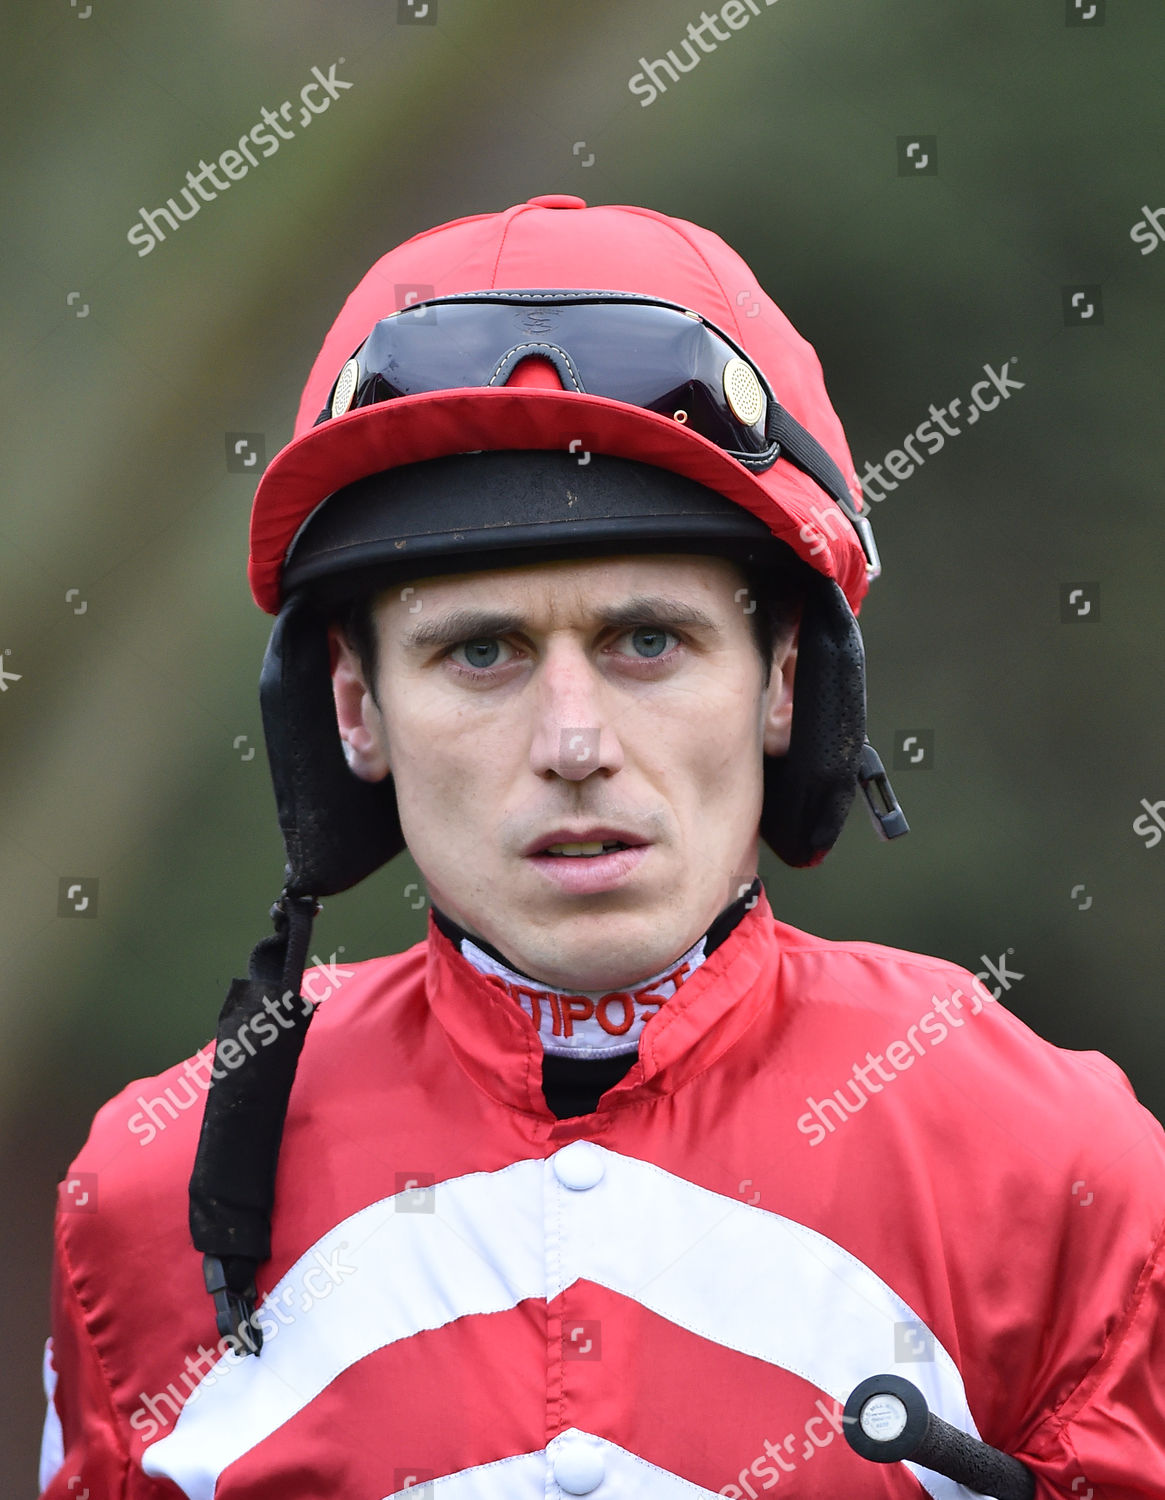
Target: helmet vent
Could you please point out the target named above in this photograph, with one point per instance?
(743, 392)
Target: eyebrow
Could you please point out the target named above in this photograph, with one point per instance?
(479, 624)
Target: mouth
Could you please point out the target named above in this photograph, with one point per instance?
(583, 851)
(587, 862)
(589, 843)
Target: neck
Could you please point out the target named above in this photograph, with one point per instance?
(717, 931)
(584, 1023)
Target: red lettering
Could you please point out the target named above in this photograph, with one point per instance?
(519, 992)
(566, 1010)
(628, 1014)
(677, 975)
(575, 1008)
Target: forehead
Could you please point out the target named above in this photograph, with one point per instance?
(577, 582)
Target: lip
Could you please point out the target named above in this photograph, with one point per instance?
(598, 835)
(580, 875)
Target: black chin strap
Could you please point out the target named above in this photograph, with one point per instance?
(261, 1031)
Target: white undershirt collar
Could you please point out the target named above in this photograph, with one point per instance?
(588, 1023)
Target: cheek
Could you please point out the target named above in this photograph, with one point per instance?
(703, 746)
(445, 764)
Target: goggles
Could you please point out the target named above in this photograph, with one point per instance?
(638, 350)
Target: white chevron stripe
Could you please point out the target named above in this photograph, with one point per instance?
(530, 1476)
(751, 1280)
(52, 1441)
(478, 1251)
(732, 1273)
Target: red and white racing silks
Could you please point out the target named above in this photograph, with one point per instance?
(668, 1298)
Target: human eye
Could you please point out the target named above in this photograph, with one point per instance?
(481, 658)
(649, 643)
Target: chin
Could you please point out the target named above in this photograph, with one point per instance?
(640, 945)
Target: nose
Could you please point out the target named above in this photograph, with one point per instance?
(573, 735)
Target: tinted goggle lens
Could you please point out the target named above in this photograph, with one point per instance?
(640, 351)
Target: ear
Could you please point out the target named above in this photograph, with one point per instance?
(357, 714)
(778, 696)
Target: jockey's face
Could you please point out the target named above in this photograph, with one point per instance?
(596, 701)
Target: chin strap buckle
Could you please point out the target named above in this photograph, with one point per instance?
(234, 1311)
(889, 819)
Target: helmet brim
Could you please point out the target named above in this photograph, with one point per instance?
(414, 429)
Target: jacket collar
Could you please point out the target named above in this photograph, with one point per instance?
(495, 1041)
(586, 1025)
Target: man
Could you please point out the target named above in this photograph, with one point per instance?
(616, 1184)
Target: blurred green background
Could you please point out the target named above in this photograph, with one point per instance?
(122, 761)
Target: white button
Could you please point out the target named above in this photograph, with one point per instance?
(579, 1165)
(578, 1467)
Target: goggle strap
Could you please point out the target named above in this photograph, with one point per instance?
(799, 446)
(803, 449)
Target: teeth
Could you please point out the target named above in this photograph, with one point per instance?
(577, 849)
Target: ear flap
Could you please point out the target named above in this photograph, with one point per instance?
(809, 790)
(336, 828)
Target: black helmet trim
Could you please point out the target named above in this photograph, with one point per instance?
(466, 510)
